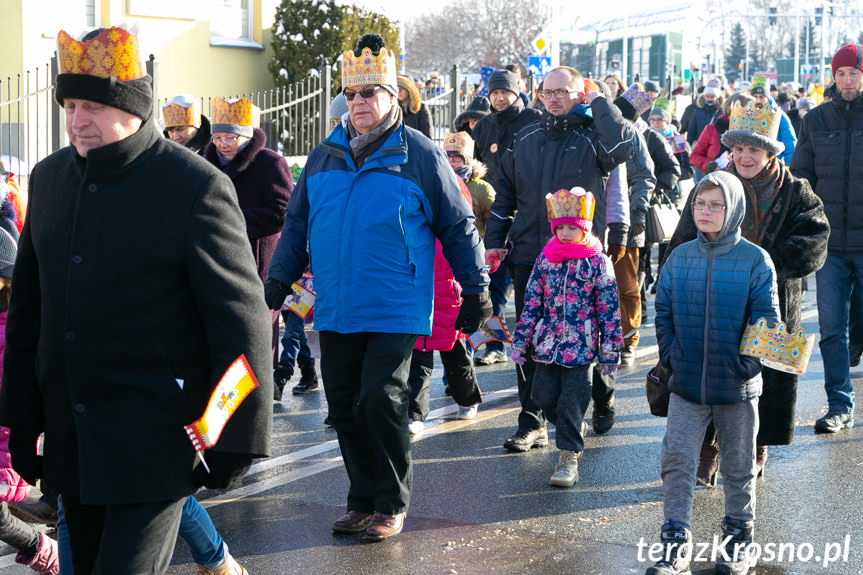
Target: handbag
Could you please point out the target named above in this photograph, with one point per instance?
(656, 386)
(665, 218)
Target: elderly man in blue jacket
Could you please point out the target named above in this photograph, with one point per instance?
(365, 213)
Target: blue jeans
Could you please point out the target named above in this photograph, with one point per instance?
(835, 281)
(63, 549)
(199, 533)
(295, 348)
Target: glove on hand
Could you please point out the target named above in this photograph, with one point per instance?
(22, 451)
(635, 230)
(225, 468)
(615, 252)
(516, 356)
(475, 309)
(494, 257)
(711, 167)
(607, 368)
(275, 293)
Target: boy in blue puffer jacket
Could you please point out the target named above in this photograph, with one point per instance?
(708, 291)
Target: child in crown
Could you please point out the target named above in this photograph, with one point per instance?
(709, 289)
(571, 319)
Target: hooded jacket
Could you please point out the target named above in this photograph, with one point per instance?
(495, 133)
(829, 155)
(702, 115)
(707, 293)
(415, 114)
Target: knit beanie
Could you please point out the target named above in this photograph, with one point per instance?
(848, 55)
(104, 67)
(338, 107)
(504, 80)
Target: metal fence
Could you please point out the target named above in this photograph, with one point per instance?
(295, 118)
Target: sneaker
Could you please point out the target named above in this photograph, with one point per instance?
(675, 558)
(855, 351)
(468, 412)
(627, 355)
(491, 356)
(566, 471)
(834, 421)
(524, 439)
(229, 567)
(308, 380)
(416, 427)
(739, 556)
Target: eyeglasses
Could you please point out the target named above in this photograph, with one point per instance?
(558, 94)
(714, 207)
(455, 156)
(227, 140)
(366, 93)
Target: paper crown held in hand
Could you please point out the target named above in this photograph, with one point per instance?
(776, 347)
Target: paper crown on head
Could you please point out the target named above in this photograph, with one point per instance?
(235, 116)
(758, 85)
(573, 207)
(634, 102)
(664, 107)
(182, 110)
(776, 347)
(368, 68)
(111, 54)
(459, 142)
(759, 127)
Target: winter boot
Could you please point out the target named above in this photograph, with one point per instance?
(308, 380)
(46, 560)
(566, 471)
(281, 376)
(708, 465)
(738, 558)
(676, 550)
(229, 567)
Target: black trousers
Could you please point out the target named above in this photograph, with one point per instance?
(136, 539)
(366, 382)
(460, 377)
(531, 416)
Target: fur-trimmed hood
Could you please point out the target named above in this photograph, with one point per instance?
(701, 103)
(413, 103)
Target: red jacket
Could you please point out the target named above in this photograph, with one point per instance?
(707, 148)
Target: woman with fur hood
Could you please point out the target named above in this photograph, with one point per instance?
(415, 114)
(786, 218)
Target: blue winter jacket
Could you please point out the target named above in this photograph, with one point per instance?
(706, 294)
(369, 234)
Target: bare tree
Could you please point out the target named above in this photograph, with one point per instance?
(481, 33)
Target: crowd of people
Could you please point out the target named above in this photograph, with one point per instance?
(554, 200)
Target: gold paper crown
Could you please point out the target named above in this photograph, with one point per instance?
(761, 121)
(369, 69)
(113, 53)
(758, 82)
(459, 142)
(663, 103)
(178, 115)
(574, 203)
(776, 347)
(236, 112)
(639, 99)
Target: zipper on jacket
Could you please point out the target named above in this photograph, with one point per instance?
(846, 183)
(706, 328)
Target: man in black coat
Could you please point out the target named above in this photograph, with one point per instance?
(135, 291)
(493, 134)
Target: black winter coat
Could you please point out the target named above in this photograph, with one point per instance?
(494, 135)
(829, 154)
(421, 120)
(797, 243)
(264, 184)
(201, 138)
(135, 289)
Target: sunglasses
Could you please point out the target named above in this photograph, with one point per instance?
(366, 93)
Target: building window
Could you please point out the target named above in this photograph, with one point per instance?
(231, 21)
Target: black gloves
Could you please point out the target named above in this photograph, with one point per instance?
(22, 451)
(475, 309)
(225, 468)
(275, 293)
(635, 230)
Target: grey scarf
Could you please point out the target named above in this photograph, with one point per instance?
(360, 143)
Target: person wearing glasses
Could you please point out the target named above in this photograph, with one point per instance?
(368, 206)
(785, 217)
(578, 140)
(708, 291)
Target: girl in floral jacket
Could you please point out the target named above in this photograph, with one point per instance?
(571, 319)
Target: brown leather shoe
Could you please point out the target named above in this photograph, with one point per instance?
(708, 465)
(352, 522)
(383, 526)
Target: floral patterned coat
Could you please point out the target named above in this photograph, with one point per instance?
(571, 312)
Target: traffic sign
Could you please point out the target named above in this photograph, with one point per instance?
(539, 66)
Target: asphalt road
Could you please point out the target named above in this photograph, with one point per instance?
(479, 509)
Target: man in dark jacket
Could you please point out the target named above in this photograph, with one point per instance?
(493, 135)
(185, 124)
(828, 155)
(366, 210)
(578, 140)
(137, 291)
